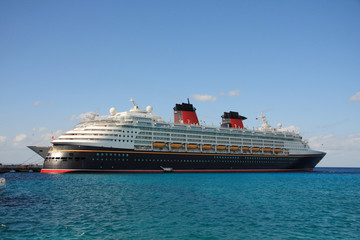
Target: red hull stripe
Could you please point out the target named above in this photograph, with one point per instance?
(98, 171)
(175, 171)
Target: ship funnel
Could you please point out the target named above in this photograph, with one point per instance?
(185, 113)
(232, 120)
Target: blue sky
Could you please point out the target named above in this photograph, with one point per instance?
(296, 61)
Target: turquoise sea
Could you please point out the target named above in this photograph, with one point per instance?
(324, 204)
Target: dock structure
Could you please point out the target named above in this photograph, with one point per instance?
(20, 168)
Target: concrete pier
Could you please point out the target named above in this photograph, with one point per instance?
(20, 168)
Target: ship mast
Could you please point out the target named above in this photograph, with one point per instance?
(136, 107)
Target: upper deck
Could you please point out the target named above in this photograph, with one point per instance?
(139, 129)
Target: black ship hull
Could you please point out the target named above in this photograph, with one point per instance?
(69, 158)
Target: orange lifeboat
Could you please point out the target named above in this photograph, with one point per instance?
(234, 148)
(192, 146)
(176, 145)
(277, 150)
(255, 149)
(220, 147)
(245, 148)
(159, 144)
(206, 147)
(267, 149)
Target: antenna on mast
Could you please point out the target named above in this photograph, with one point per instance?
(135, 106)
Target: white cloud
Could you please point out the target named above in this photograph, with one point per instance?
(355, 98)
(335, 143)
(210, 98)
(204, 98)
(37, 103)
(41, 129)
(16, 151)
(19, 139)
(342, 151)
(234, 93)
(85, 116)
(291, 129)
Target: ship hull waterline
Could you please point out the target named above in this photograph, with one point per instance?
(82, 159)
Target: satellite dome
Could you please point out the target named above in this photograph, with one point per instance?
(112, 111)
(149, 109)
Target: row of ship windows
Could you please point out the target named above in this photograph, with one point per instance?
(188, 161)
(179, 135)
(175, 160)
(201, 135)
(113, 154)
(182, 135)
(222, 132)
(110, 135)
(98, 139)
(175, 139)
(203, 142)
(64, 158)
(111, 130)
(190, 138)
(254, 158)
(206, 140)
(215, 157)
(127, 155)
(246, 141)
(111, 159)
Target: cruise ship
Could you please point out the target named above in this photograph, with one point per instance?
(140, 141)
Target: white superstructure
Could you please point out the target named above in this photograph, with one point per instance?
(142, 130)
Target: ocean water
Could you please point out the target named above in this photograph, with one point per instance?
(324, 204)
